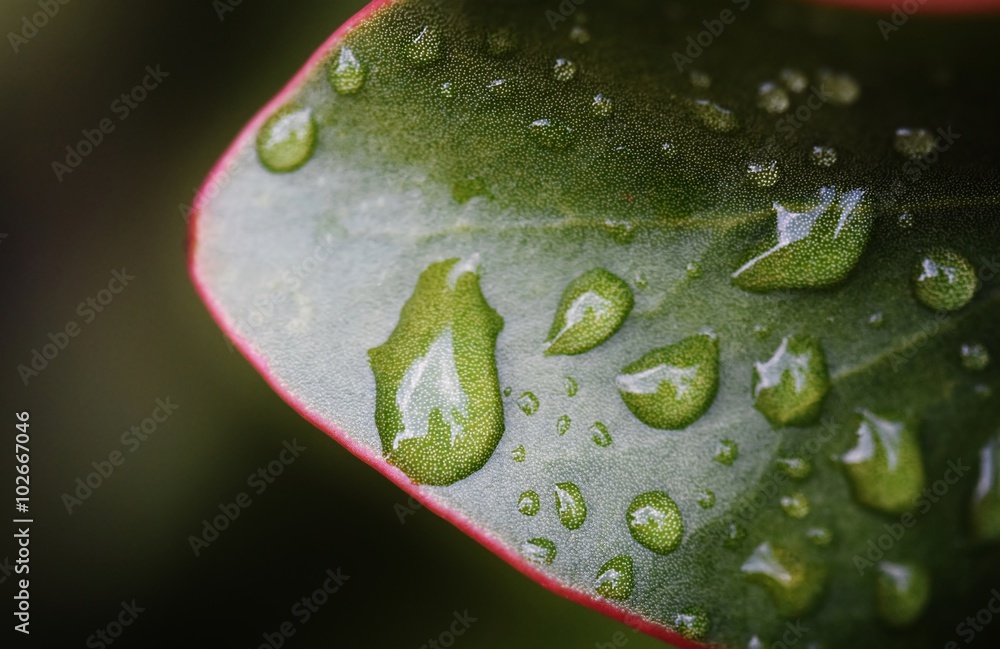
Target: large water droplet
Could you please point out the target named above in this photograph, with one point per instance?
(438, 407)
(914, 142)
(794, 80)
(772, 98)
(714, 116)
(692, 623)
(795, 505)
(671, 387)
(654, 521)
(529, 503)
(901, 592)
(944, 280)
(789, 388)
(347, 75)
(616, 578)
(793, 584)
(540, 550)
(599, 434)
(563, 424)
(975, 358)
(528, 403)
(551, 133)
(726, 452)
(592, 308)
(812, 245)
(840, 88)
(287, 139)
(796, 468)
(763, 174)
(985, 512)
(425, 46)
(570, 505)
(564, 70)
(885, 467)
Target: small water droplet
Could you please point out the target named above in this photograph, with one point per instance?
(425, 46)
(501, 43)
(706, 499)
(692, 623)
(693, 270)
(592, 308)
(885, 467)
(985, 510)
(755, 643)
(599, 434)
(796, 505)
(347, 75)
(789, 388)
(823, 156)
(761, 331)
(812, 245)
(840, 88)
(796, 468)
(975, 357)
(287, 139)
(714, 116)
(764, 174)
(902, 591)
(572, 387)
(579, 35)
(528, 403)
(564, 70)
(654, 521)
(507, 391)
(772, 98)
(982, 391)
(464, 190)
(700, 80)
(438, 407)
(518, 454)
(601, 106)
(668, 150)
(551, 133)
(570, 505)
(671, 387)
(529, 503)
(447, 90)
(540, 550)
(876, 320)
(794, 80)
(726, 452)
(914, 143)
(944, 280)
(616, 578)
(905, 221)
(733, 535)
(793, 584)
(499, 88)
(562, 426)
(820, 536)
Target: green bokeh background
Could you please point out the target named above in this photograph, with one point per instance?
(122, 207)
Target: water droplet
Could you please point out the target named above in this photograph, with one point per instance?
(733, 535)
(975, 357)
(562, 426)
(671, 387)
(714, 116)
(518, 454)
(551, 133)
(621, 231)
(541, 551)
(507, 391)
(499, 88)
(772, 98)
(447, 90)
(438, 407)
(794, 80)
(793, 584)
(902, 591)
(823, 156)
(600, 434)
(755, 643)
(591, 309)
(668, 150)
(601, 106)
(564, 70)
(726, 452)
(572, 387)
(876, 320)
(579, 35)
(616, 578)
(700, 80)
(840, 88)
(885, 466)
(570, 505)
(501, 43)
(287, 139)
(812, 245)
(820, 536)
(347, 75)
(796, 468)
(914, 143)
(944, 280)
(985, 511)
(463, 191)
(761, 331)
(905, 221)
(693, 270)
(789, 388)
(795, 505)
(692, 623)
(706, 499)
(528, 403)
(763, 174)
(426, 46)
(529, 503)
(654, 521)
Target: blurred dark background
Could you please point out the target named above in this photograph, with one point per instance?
(123, 207)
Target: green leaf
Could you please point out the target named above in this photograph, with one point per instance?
(685, 309)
